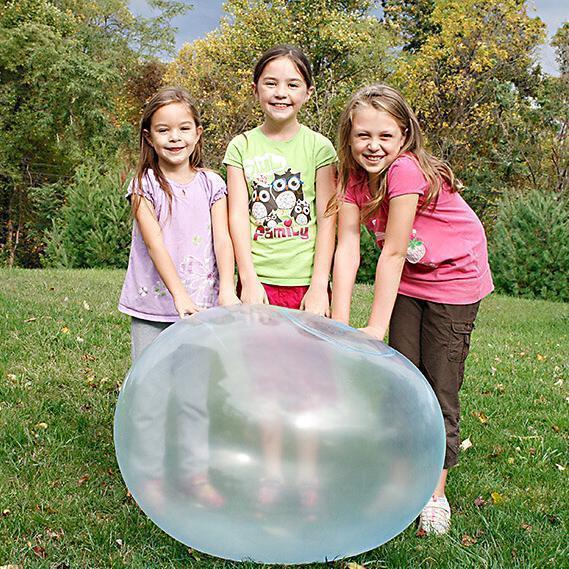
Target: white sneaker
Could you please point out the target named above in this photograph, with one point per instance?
(435, 517)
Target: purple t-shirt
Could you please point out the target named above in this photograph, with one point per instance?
(188, 237)
(447, 258)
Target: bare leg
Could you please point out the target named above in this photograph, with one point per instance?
(307, 443)
(272, 446)
(440, 489)
(270, 489)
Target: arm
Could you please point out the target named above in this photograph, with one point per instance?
(152, 235)
(223, 252)
(252, 289)
(316, 299)
(402, 211)
(346, 261)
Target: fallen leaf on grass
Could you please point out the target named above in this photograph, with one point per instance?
(32, 319)
(54, 534)
(65, 330)
(466, 444)
(468, 540)
(497, 498)
(497, 451)
(560, 467)
(82, 480)
(555, 428)
(193, 553)
(39, 551)
(47, 509)
(41, 426)
(541, 358)
(119, 542)
(88, 358)
(480, 502)
(527, 527)
(480, 416)
(354, 565)
(421, 533)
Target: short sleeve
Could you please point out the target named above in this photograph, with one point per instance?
(357, 192)
(216, 187)
(234, 153)
(325, 152)
(405, 177)
(148, 189)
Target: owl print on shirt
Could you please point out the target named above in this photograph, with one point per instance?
(279, 204)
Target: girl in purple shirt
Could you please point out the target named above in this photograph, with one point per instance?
(181, 258)
(433, 267)
(181, 261)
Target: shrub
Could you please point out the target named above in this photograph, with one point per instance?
(94, 227)
(369, 255)
(529, 246)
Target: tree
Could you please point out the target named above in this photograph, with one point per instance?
(63, 66)
(346, 45)
(411, 20)
(470, 80)
(561, 44)
(559, 101)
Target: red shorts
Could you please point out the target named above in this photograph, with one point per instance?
(286, 296)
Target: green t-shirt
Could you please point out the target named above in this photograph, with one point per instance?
(281, 177)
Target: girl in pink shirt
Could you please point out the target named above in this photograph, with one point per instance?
(433, 268)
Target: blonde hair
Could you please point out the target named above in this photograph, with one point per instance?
(148, 159)
(386, 99)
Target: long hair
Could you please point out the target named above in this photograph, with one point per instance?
(148, 159)
(284, 50)
(386, 99)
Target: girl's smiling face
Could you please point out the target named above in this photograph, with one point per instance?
(173, 135)
(281, 90)
(376, 138)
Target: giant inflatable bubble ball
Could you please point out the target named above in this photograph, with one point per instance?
(273, 435)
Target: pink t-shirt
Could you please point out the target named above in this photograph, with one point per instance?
(447, 257)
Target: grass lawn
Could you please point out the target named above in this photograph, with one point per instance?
(65, 350)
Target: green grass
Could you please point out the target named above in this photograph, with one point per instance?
(65, 350)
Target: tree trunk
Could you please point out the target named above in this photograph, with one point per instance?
(13, 233)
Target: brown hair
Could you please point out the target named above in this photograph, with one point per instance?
(389, 100)
(148, 159)
(284, 50)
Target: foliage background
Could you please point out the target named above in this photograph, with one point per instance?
(75, 76)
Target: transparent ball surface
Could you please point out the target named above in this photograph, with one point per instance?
(267, 434)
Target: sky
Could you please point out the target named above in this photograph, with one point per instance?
(205, 16)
